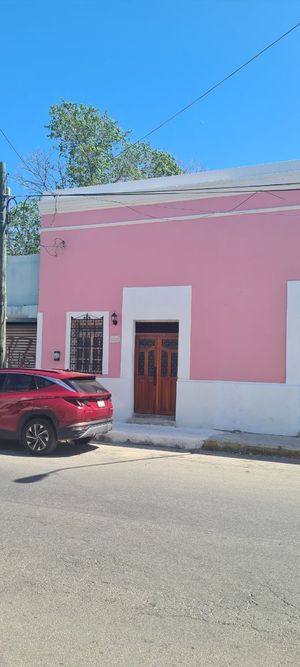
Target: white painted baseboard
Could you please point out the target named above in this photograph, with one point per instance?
(244, 406)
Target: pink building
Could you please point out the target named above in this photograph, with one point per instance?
(201, 272)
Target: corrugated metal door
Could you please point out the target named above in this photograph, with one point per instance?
(21, 344)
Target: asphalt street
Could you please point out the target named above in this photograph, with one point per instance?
(116, 556)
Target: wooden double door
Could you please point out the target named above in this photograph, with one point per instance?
(156, 362)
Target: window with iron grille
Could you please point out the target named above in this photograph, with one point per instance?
(86, 344)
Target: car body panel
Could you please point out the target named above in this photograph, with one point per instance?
(69, 410)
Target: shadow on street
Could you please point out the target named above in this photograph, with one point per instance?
(38, 478)
(14, 448)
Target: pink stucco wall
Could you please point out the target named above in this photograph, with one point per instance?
(238, 267)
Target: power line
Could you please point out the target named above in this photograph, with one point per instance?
(13, 147)
(230, 189)
(211, 89)
(28, 167)
(183, 109)
(197, 215)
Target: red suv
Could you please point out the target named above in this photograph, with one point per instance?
(41, 407)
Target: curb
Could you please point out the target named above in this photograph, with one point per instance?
(178, 444)
(191, 445)
(241, 448)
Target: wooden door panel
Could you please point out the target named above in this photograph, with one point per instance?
(145, 374)
(167, 374)
(156, 359)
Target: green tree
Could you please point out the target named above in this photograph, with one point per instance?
(24, 229)
(88, 148)
(94, 149)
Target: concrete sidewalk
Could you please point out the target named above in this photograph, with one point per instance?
(188, 439)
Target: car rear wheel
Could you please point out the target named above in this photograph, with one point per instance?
(39, 437)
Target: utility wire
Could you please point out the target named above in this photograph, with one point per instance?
(187, 106)
(180, 111)
(229, 189)
(211, 89)
(28, 167)
(183, 109)
(13, 147)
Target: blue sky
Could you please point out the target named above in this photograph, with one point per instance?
(142, 60)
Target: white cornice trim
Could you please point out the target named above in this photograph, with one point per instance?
(52, 206)
(152, 220)
(61, 201)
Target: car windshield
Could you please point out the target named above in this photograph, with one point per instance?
(86, 385)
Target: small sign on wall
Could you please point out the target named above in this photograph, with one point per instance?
(114, 339)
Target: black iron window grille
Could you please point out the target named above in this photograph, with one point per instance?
(86, 344)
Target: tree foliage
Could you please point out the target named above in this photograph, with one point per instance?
(94, 149)
(24, 229)
(88, 148)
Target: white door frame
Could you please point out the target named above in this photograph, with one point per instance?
(155, 304)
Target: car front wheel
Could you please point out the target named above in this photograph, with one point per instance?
(39, 437)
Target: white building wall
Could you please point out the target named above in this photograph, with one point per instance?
(243, 406)
(246, 406)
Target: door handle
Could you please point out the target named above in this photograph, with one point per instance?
(154, 375)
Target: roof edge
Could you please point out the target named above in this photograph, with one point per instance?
(261, 174)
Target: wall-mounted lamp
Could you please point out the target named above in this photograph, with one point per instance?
(114, 318)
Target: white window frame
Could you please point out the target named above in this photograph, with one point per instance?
(94, 314)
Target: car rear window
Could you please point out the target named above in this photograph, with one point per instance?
(86, 386)
(42, 383)
(2, 380)
(18, 382)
